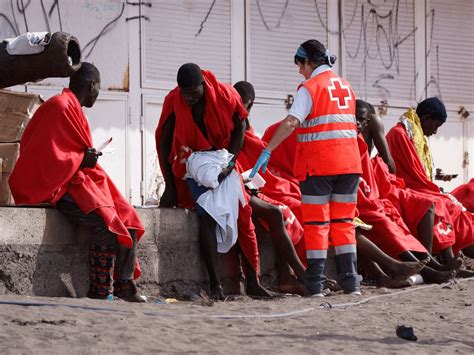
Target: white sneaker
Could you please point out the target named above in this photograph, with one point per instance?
(355, 293)
(317, 295)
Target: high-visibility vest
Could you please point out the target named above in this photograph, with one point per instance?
(327, 139)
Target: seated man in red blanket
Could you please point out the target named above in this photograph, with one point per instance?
(58, 165)
(274, 204)
(390, 231)
(409, 147)
(203, 114)
(374, 136)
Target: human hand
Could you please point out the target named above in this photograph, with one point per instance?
(262, 162)
(224, 173)
(90, 158)
(440, 175)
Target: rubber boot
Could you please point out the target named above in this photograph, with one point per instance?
(315, 279)
(101, 265)
(347, 276)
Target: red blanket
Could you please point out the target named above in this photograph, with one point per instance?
(410, 169)
(409, 166)
(221, 103)
(465, 195)
(277, 191)
(413, 205)
(389, 232)
(51, 152)
(282, 160)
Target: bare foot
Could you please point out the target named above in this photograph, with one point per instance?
(255, 290)
(291, 285)
(393, 283)
(217, 293)
(435, 276)
(332, 285)
(403, 269)
(455, 263)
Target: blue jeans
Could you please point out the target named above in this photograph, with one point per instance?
(196, 191)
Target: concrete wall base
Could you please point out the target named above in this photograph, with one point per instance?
(43, 254)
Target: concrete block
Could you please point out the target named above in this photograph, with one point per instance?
(34, 226)
(43, 254)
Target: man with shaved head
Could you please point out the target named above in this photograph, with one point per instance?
(58, 165)
(411, 153)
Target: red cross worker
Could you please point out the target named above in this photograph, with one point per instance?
(327, 164)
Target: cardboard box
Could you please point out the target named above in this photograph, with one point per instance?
(16, 109)
(9, 153)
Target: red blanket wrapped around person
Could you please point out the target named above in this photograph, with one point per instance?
(413, 205)
(282, 160)
(411, 170)
(51, 152)
(389, 232)
(277, 190)
(409, 166)
(221, 103)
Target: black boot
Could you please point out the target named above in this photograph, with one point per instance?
(314, 279)
(347, 276)
(101, 265)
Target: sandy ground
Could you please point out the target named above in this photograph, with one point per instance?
(442, 319)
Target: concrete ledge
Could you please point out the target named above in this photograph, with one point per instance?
(43, 254)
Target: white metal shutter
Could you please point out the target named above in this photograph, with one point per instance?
(276, 29)
(379, 49)
(183, 31)
(451, 52)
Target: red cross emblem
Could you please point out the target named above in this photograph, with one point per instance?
(340, 93)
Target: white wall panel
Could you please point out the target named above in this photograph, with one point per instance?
(153, 181)
(451, 52)
(264, 115)
(447, 150)
(276, 29)
(379, 49)
(183, 31)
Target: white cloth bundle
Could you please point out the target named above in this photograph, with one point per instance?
(222, 201)
(28, 43)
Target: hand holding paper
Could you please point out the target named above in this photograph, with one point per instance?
(104, 145)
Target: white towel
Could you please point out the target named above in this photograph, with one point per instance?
(28, 43)
(222, 201)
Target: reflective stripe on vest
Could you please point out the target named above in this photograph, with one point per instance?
(338, 118)
(322, 136)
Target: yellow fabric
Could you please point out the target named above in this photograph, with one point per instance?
(360, 224)
(421, 143)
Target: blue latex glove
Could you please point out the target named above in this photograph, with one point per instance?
(262, 162)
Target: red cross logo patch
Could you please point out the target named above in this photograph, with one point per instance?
(340, 93)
